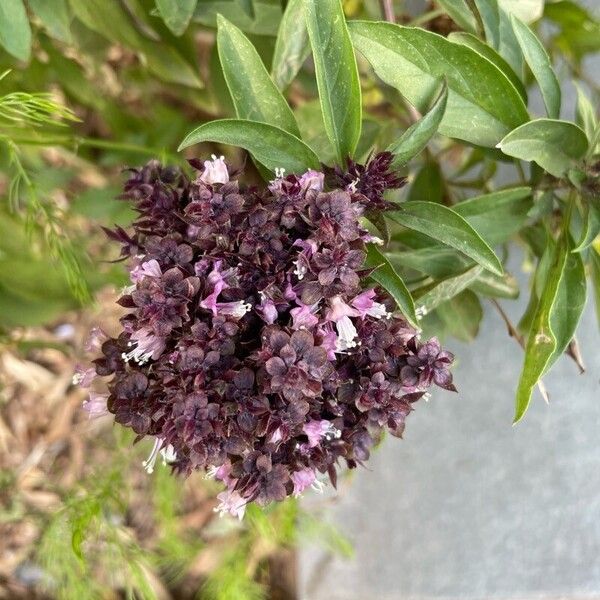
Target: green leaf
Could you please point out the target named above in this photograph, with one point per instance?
(569, 303)
(494, 286)
(509, 47)
(467, 39)
(54, 15)
(459, 12)
(462, 315)
(337, 74)
(443, 224)
(539, 62)
(254, 94)
(526, 10)
(417, 136)
(554, 145)
(554, 322)
(176, 13)
(436, 261)
(585, 116)
(269, 145)
(292, 46)
(591, 228)
(490, 15)
(267, 15)
(428, 184)
(385, 275)
(498, 215)
(15, 32)
(483, 105)
(434, 294)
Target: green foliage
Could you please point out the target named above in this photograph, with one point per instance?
(292, 46)
(451, 109)
(539, 62)
(417, 136)
(252, 90)
(412, 60)
(443, 224)
(269, 145)
(385, 275)
(336, 73)
(554, 145)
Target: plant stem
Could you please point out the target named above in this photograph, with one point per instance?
(387, 8)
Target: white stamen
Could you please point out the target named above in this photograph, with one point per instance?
(300, 270)
(149, 463)
(420, 312)
(318, 486)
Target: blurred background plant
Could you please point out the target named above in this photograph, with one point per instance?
(88, 88)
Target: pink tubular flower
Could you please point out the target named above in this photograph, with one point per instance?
(329, 340)
(365, 305)
(147, 346)
(215, 171)
(302, 479)
(150, 268)
(84, 377)
(95, 339)
(303, 316)
(231, 503)
(317, 430)
(340, 314)
(312, 180)
(95, 406)
(267, 309)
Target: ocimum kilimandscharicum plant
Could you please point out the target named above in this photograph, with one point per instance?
(269, 335)
(252, 348)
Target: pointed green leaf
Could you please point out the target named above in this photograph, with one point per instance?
(483, 105)
(337, 74)
(539, 62)
(292, 46)
(54, 15)
(388, 279)
(468, 39)
(591, 227)
(490, 15)
(554, 145)
(176, 13)
(431, 296)
(526, 10)
(496, 286)
(554, 322)
(255, 96)
(498, 215)
(417, 136)
(443, 224)
(269, 145)
(15, 32)
(462, 315)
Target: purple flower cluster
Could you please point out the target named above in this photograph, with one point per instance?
(250, 348)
